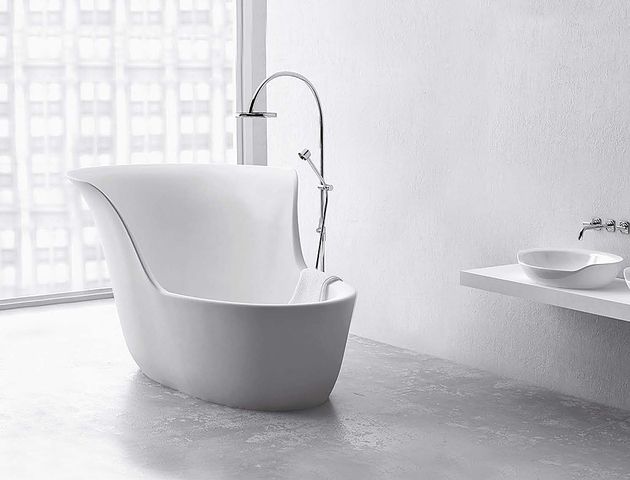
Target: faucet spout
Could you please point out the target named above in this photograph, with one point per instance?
(587, 227)
(596, 224)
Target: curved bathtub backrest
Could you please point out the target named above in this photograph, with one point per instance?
(214, 231)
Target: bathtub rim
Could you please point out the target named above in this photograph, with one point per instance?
(75, 177)
(351, 295)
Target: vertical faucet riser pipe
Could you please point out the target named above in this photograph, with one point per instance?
(323, 196)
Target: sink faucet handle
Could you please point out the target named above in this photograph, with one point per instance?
(594, 221)
(624, 227)
(611, 226)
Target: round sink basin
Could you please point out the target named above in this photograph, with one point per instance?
(570, 268)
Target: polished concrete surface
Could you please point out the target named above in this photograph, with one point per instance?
(73, 405)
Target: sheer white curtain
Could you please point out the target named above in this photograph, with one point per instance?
(100, 82)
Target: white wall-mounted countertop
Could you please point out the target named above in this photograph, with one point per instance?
(612, 301)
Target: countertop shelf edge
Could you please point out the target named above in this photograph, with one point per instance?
(612, 301)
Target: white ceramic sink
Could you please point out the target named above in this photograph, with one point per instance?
(570, 268)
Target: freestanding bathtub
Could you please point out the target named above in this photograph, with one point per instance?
(203, 260)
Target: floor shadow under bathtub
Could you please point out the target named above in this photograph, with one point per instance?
(176, 435)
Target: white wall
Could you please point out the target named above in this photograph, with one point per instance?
(457, 133)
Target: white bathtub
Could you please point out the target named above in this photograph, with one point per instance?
(203, 260)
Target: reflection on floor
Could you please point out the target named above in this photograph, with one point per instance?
(73, 405)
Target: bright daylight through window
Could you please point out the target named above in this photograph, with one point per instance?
(100, 82)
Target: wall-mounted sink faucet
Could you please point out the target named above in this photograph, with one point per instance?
(610, 225)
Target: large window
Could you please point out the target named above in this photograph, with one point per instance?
(100, 82)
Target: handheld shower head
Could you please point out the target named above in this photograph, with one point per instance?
(305, 154)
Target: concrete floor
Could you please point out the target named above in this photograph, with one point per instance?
(73, 405)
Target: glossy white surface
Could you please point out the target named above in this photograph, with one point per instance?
(204, 259)
(612, 300)
(570, 268)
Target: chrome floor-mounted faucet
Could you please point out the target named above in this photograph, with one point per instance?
(305, 155)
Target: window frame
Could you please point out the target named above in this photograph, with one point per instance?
(251, 65)
(251, 137)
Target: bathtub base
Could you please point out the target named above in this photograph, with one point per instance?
(252, 405)
(269, 358)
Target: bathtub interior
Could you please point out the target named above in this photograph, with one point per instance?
(217, 232)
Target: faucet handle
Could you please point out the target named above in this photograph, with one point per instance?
(594, 221)
(611, 226)
(624, 227)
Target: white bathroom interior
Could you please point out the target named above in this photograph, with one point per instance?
(246, 239)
